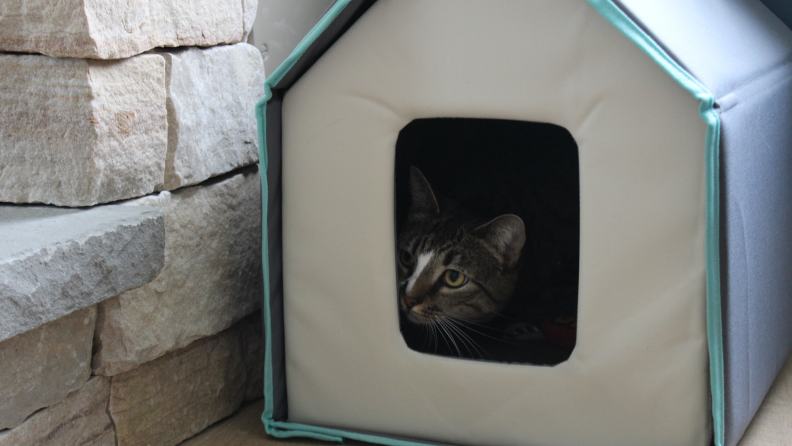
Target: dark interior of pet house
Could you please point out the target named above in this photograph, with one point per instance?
(501, 219)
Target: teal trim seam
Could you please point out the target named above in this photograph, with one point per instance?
(623, 23)
(278, 428)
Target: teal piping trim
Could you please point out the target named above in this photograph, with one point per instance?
(285, 430)
(261, 114)
(306, 42)
(277, 428)
(623, 23)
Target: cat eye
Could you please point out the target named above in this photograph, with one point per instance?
(454, 278)
(406, 259)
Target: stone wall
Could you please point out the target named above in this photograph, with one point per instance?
(138, 103)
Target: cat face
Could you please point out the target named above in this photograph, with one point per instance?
(450, 265)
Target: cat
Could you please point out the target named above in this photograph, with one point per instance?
(486, 205)
(470, 287)
(452, 267)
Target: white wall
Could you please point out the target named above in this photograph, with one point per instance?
(281, 24)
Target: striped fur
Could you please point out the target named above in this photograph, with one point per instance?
(437, 244)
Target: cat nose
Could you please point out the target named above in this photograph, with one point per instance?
(411, 302)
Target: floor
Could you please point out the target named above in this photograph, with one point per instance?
(772, 425)
(245, 429)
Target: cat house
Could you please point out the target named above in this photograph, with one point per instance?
(676, 118)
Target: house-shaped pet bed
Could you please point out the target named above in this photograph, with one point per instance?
(680, 113)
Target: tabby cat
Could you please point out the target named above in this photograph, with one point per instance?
(452, 267)
(468, 288)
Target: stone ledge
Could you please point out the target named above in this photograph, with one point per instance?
(55, 261)
(114, 29)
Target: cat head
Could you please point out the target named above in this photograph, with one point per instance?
(452, 265)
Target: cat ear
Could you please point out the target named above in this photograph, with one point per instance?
(423, 199)
(507, 234)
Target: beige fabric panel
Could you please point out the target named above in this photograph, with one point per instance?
(639, 372)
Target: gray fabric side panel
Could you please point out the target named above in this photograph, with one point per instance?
(782, 9)
(756, 189)
(275, 239)
(723, 43)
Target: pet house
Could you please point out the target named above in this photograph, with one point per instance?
(680, 112)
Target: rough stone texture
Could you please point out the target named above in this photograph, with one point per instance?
(249, 12)
(178, 395)
(212, 95)
(40, 367)
(55, 261)
(212, 275)
(113, 29)
(76, 132)
(80, 419)
(251, 344)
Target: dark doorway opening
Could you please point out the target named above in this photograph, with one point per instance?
(483, 169)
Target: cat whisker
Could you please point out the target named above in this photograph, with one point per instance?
(471, 322)
(460, 328)
(450, 337)
(441, 333)
(454, 331)
(463, 325)
(434, 335)
(425, 334)
(479, 349)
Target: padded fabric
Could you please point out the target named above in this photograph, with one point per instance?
(757, 227)
(639, 372)
(725, 44)
(742, 53)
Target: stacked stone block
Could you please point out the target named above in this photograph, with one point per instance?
(80, 132)
(40, 367)
(56, 264)
(116, 29)
(146, 104)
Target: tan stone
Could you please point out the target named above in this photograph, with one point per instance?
(113, 29)
(212, 93)
(80, 419)
(77, 132)
(212, 275)
(40, 367)
(178, 395)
